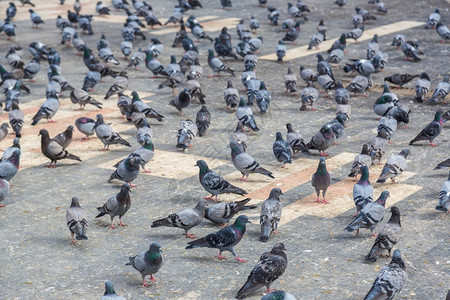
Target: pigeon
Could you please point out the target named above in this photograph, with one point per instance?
(355, 33)
(321, 180)
(225, 239)
(181, 100)
(322, 140)
(410, 52)
(444, 196)
(381, 7)
(76, 220)
(231, 95)
(147, 262)
(26, 2)
(119, 84)
(110, 293)
(117, 205)
(387, 127)
(377, 147)
(431, 131)
(10, 166)
(295, 140)
(253, 85)
(363, 66)
(263, 98)
(245, 115)
(394, 166)
(53, 150)
(82, 98)
(32, 68)
(221, 213)
(239, 137)
(433, 19)
(101, 9)
(11, 11)
(278, 295)
(341, 95)
(107, 135)
(194, 87)
(365, 14)
(64, 138)
(145, 152)
(290, 81)
(281, 50)
(398, 39)
(270, 214)
(443, 164)
(443, 32)
(35, 18)
(422, 86)
(106, 54)
(47, 110)
(387, 237)
(196, 69)
(383, 105)
(188, 130)
(338, 44)
(282, 150)
(270, 267)
(373, 47)
(292, 34)
(309, 95)
(127, 170)
(253, 24)
(341, 3)
(217, 65)
(214, 183)
(315, 41)
(86, 126)
(308, 75)
(392, 96)
(400, 79)
(359, 84)
(223, 50)
(154, 65)
(338, 124)
(273, 15)
(441, 91)
(363, 190)
(323, 68)
(5, 191)
(246, 164)
(370, 215)
(140, 106)
(203, 119)
(186, 219)
(390, 280)
(3, 131)
(10, 150)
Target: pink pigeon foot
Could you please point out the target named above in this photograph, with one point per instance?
(325, 201)
(122, 224)
(433, 144)
(240, 259)
(132, 185)
(191, 236)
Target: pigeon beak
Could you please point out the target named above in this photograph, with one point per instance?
(248, 221)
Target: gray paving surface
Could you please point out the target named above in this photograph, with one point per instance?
(37, 261)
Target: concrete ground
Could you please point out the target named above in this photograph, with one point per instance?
(324, 261)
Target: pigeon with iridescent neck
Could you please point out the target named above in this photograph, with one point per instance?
(363, 190)
(282, 150)
(127, 170)
(322, 140)
(245, 163)
(147, 262)
(321, 180)
(431, 131)
(117, 205)
(110, 293)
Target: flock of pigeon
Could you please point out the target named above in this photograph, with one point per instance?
(187, 74)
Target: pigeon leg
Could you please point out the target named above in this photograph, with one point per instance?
(283, 165)
(242, 178)
(152, 278)
(270, 290)
(146, 171)
(240, 259)
(132, 185)
(357, 232)
(31, 80)
(191, 236)
(220, 256)
(209, 198)
(143, 282)
(85, 139)
(393, 180)
(216, 199)
(50, 121)
(374, 234)
(325, 201)
(433, 144)
(73, 240)
(1, 205)
(121, 224)
(80, 108)
(318, 199)
(323, 153)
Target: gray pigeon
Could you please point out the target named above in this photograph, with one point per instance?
(221, 213)
(203, 119)
(363, 190)
(181, 100)
(245, 163)
(4, 191)
(281, 50)
(145, 152)
(186, 219)
(140, 106)
(394, 166)
(16, 119)
(290, 81)
(444, 196)
(76, 219)
(117, 205)
(245, 115)
(341, 95)
(225, 239)
(53, 150)
(359, 84)
(148, 262)
(270, 267)
(387, 127)
(86, 126)
(355, 33)
(309, 95)
(270, 214)
(278, 295)
(3, 131)
(443, 32)
(263, 98)
(370, 216)
(110, 293)
(338, 124)
(321, 180)
(322, 140)
(441, 91)
(433, 19)
(377, 147)
(431, 131)
(295, 139)
(217, 65)
(119, 84)
(127, 170)
(214, 183)
(47, 110)
(231, 95)
(390, 280)
(387, 237)
(308, 75)
(373, 47)
(282, 150)
(362, 159)
(65, 138)
(82, 98)
(10, 150)
(410, 52)
(188, 130)
(326, 82)
(422, 86)
(239, 137)
(335, 57)
(107, 135)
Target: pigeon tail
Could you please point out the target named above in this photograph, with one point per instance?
(373, 253)
(73, 157)
(441, 208)
(247, 289)
(198, 243)
(265, 232)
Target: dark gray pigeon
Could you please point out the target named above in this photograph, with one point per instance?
(410, 52)
(76, 219)
(362, 159)
(444, 196)
(127, 170)
(282, 150)
(16, 119)
(245, 163)
(10, 150)
(431, 131)
(148, 262)
(110, 293)
(322, 140)
(400, 79)
(53, 150)
(107, 135)
(231, 95)
(225, 239)
(186, 219)
(145, 152)
(10, 166)
(117, 205)
(203, 119)
(85, 126)
(387, 237)
(395, 165)
(321, 180)
(65, 138)
(369, 217)
(363, 190)
(181, 100)
(214, 183)
(390, 280)
(270, 267)
(295, 139)
(359, 84)
(270, 214)
(221, 213)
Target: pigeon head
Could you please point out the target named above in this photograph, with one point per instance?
(383, 197)
(224, 30)
(70, 128)
(437, 116)
(31, 11)
(99, 118)
(281, 42)
(242, 102)
(16, 142)
(322, 163)
(364, 173)
(155, 247)
(278, 248)
(279, 136)
(275, 193)
(155, 41)
(424, 75)
(75, 202)
(43, 133)
(375, 38)
(365, 149)
(202, 204)
(135, 96)
(125, 188)
(342, 118)
(202, 165)
(241, 221)
(210, 53)
(405, 153)
(229, 84)
(109, 288)
(342, 38)
(397, 259)
(325, 129)
(135, 161)
(289, 127)
(395, 217)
